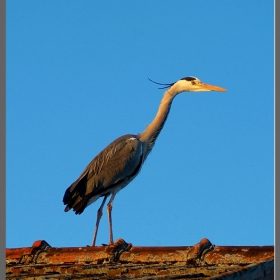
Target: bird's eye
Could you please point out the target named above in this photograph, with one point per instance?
(193, 82)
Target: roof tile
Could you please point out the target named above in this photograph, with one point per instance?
(124, 261)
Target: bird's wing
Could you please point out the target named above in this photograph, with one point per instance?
(117, 162)
(113, 166)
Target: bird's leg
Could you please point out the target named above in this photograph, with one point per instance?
(109, 210)
(99, 215)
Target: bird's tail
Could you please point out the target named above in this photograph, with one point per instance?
(73, 196)
(66, 199)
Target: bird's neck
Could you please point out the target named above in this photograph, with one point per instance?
(150, 134)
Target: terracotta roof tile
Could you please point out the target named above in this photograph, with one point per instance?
(124, 261)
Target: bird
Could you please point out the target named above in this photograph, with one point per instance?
(120, 162)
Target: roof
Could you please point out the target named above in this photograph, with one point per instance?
(121, 260)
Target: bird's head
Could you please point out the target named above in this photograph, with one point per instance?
(192, 84)
(195, 85)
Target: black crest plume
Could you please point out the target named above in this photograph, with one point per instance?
(165, 85)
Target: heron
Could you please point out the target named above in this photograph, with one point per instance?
(121, 161)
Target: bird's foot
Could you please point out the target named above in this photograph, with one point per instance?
(117, 248)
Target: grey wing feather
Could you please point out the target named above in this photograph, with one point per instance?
(114, 166)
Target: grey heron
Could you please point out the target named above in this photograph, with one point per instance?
(120, 162)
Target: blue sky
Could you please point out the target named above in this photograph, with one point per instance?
(77, 78)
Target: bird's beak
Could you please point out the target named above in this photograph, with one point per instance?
(208, 87)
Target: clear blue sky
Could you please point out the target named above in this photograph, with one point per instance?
(77, 78)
